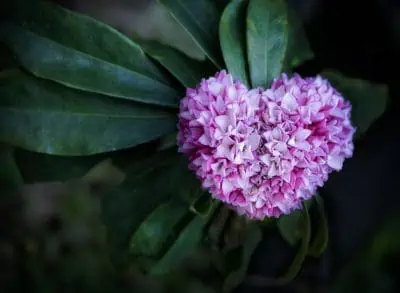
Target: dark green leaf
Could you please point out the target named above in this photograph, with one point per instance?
(368, 99)
(200, 19)
(37, 167)
(168, 141)
(154, 231)
(185, 244)
(10, 175)
(80, 52)
(217, 225)
(104, 174)
(187, 70)
(295, 267)
(320, 242)
(203, 205)
(232, 34)
(144, 188)
(46, 117)
(191, 190)
(298, 49)
(251, 239)
(267, 38)
(290, 226)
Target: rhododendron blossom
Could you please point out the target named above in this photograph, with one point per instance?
(261, 151)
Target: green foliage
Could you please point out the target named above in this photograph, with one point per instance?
(200, 19)
(242, 254)
(368, 100)
(157, 228)
(298, 49)
(42, 116)
(232, 34)
(267, 38)
(75, 60)
(89, 159)
(9, 172)
(320, 241)
(187, 70)
(303, 225)
(290, 226)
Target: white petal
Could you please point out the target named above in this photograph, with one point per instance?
(254, 141)
(259, 203)
(227, 186)
(222, 122)
(215, 88)
(335, 162)
(204, 140)
(302, 134)
(266, 159)
(289, 102)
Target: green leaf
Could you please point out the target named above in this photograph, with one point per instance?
(251, 238)
(37, 167)
(79, 52)
(320, 242)
(168, 141)
(157, 229)
(369, 100)
(191, 190)
(203, 205)
(217, 225)
(128, 205)
(200, 19)
(298, 49)
(290, 226)
(185, 244)
(46, 117)
(232, 29)
(187, 70)
(104, 174)
(10, 175)
(295, 267)
(297, 262)
(267, 38)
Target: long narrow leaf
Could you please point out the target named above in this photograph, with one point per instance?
(46, 117)
(267, 37)
(80, 52)
(187, 70)
(232, 33)
(200, 19)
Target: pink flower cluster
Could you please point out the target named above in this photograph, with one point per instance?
(264, 151)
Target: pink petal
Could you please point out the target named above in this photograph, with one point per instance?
(289, 102)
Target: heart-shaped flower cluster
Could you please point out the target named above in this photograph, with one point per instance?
(264, 151)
